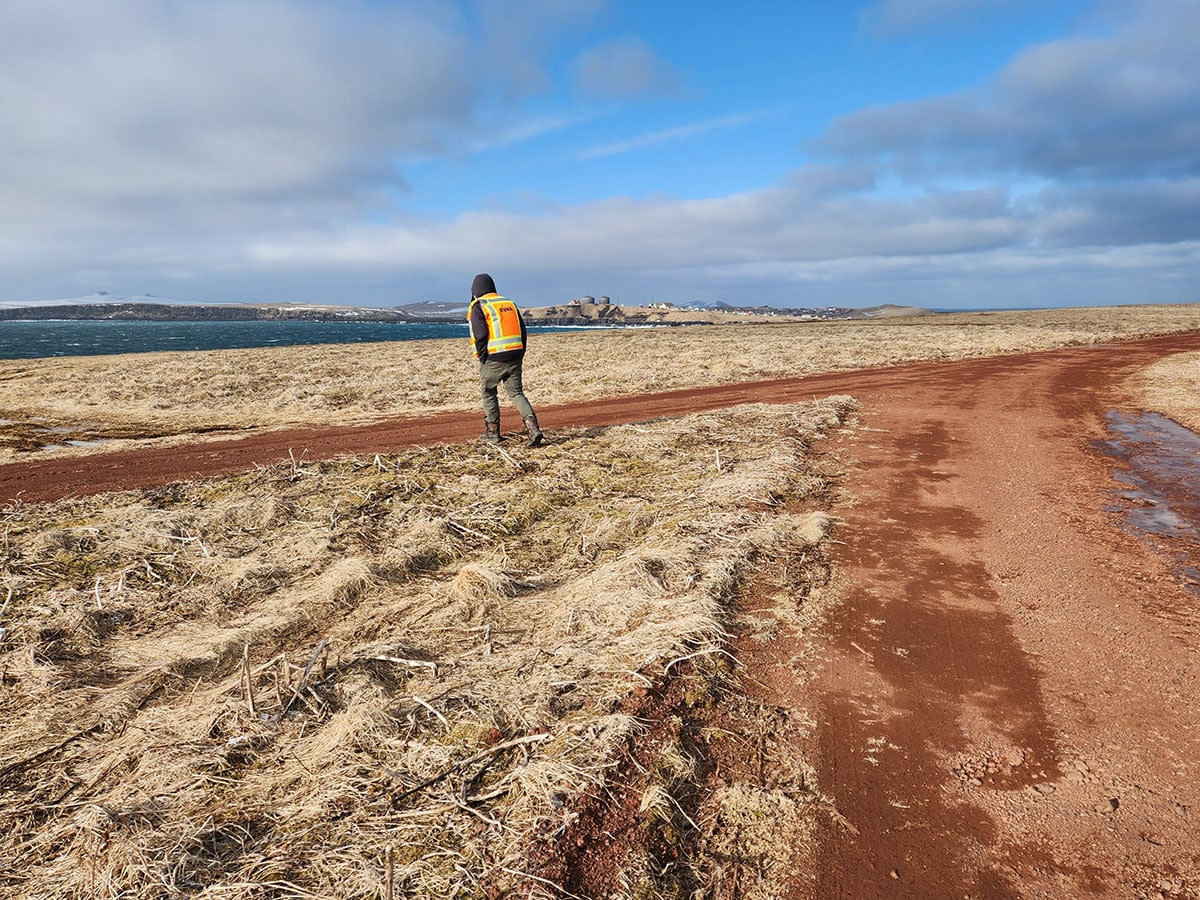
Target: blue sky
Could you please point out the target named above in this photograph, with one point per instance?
(943, 153)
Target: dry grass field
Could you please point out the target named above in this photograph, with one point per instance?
(351, 678)
(401, 676)
(139, 397)
(1172, 387)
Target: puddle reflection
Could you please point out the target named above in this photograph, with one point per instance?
(1160, 473)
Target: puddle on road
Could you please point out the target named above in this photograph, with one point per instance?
(33, 435)
(1159, 468)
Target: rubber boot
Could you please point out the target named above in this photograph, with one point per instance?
(491, 433)
(535, 433)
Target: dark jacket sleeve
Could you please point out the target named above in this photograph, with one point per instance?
(479, 331)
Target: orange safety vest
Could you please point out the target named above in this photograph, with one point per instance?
(503, 324)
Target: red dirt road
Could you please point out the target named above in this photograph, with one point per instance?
(1008, 703)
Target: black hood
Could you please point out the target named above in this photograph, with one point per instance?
(482, 284)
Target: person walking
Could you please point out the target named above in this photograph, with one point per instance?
(499, 338)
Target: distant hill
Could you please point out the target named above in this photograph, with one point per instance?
(706, 304)
(890, 311)
(99, 297)
(435, 309)
(147, 307)
(579, 315)
(190, 313)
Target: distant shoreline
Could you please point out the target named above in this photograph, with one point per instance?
(564, 315)
(164, 312)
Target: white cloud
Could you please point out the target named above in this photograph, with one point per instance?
(783, 223)
(818, 227)
(244, 114)
(173, 133)
(245, 145)
(1122, 105)
(514, 35)
(627, 67)
(137, 100)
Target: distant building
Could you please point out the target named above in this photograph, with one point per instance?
(603, 301)
(588, 301)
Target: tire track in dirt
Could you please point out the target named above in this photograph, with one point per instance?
(1005, 709)
(51, 479)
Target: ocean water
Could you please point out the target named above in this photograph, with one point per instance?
(33, 339)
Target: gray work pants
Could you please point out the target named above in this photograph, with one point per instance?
(491, 374)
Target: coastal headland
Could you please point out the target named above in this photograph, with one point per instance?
(571, 314)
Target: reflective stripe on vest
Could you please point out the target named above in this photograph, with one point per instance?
(503, 322)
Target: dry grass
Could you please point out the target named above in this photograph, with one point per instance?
(348, 678)
(1171, 387)
(367, 679)
(138, 396)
